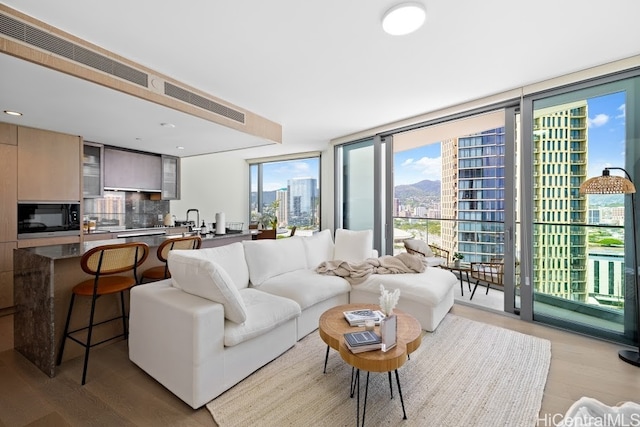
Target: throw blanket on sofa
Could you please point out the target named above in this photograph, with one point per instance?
(357, 272)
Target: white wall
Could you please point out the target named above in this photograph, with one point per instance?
(326, 189)
(214, 183)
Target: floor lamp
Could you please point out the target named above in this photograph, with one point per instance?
(608, 184)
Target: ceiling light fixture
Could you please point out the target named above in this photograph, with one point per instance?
(404, 18)
(12, 113)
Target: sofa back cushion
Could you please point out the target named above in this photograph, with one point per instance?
(353, 246)
(194, 273)
(268, 258)
(231, 259)
(318, 248)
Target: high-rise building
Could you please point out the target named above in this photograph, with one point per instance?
(560, 142)
(478, 200)
(302, 209)
(283, 206)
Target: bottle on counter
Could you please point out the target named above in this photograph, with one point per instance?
(203, 229)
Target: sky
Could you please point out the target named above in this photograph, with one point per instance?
(606, 119)
(606, 133)
(276, 174)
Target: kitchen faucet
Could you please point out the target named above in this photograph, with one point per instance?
(197, 223)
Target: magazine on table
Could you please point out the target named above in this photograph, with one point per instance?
(358, 317)
(361, 341)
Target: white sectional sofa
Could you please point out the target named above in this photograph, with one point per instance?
(229, 310)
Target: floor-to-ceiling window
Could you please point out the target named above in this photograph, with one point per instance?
(581, 244)
(514, 188)
(447, 186)
(355, 182)
(450, 190)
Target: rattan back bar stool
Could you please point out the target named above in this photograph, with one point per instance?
(104, 263)
(162, 271)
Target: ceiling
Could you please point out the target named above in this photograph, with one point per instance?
(320, 69)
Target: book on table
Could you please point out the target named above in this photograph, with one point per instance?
(361, 341)
(358, 317)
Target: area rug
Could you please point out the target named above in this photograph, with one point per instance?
(466, 373)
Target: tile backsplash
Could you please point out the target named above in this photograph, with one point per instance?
(124, 209)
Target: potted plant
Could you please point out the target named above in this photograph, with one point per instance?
(457, 257)
(267, 219)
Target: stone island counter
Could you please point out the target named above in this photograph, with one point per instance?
(43, 279)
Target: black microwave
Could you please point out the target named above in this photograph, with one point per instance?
(48, 219)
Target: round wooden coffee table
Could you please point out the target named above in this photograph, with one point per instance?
(332, 328)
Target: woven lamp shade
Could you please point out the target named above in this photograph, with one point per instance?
(607, 184)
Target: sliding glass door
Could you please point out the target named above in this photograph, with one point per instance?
(581, 246)
(453, 189)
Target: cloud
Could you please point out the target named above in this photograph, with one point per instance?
(417, 170)
(623, 111)
(598, 120)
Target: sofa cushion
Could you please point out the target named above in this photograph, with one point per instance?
(231, 259)
(264, 313)
(196, 274)
(353, 246)
(306, 287)
(428, 288)
(318, 248)
(268, 258)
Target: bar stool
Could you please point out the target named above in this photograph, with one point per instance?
(102, 263)
(162, 271)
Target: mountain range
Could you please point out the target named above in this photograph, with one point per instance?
(418, 190)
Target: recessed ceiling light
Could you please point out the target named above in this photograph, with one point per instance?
(12, 113)
(404, 18)
(180, 147)
(167, 125)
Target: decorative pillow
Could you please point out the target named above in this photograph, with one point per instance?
(353, 246)
(268, 258)
(418, 246)
(192, 272)
(318, 248)
(231, 259)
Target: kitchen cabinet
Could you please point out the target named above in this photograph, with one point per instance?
(8, 226)
(48, 166)
(92, 170)
(8, 193)
(131, 170)
(170, 178)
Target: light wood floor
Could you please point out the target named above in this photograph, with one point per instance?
(119, 393)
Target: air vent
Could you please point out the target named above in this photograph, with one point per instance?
(50, 43)
(202, 102)
(46, 41)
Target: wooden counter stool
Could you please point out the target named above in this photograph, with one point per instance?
(162, 271)
(102, 263)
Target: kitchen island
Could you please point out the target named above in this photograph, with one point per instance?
(43, 279)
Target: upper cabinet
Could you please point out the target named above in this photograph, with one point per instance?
(92, 170)
(48, 165)
(170, 178)
(131, 170)
(8, 189)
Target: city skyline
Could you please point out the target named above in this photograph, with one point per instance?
(606, 144)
